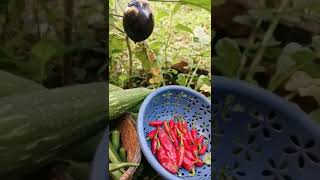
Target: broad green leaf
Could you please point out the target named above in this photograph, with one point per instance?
(161, 13)
(206, 4)
(294, 57)
(201, 81)
(176, 8)
(182, 79)
(285, 67)
(46, 49)
(315, 115)
(182, 27)
(111, 3)
(299, 80)
(229, 55)
(116, 44)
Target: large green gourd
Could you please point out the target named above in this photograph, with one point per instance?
(122, 101)
(85, 151)
(34, 127)
(11, 84)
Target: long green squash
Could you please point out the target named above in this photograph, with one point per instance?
(114, 88)
(11, 84)
(85, 151)
(34, 127)
(122, 101)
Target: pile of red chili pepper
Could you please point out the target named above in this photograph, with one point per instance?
(176, 146)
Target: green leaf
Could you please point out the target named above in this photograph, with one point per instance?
(176, 8)
(202, 80)
(206, 4)
(182, 79)
(182, 27)
(228, 59)
(45, 49)
(116, 44)
(111, 3)
(285, 67)
(161, 13)
(294, 57)
(315, 115)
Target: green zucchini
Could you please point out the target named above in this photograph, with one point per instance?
(11, 84)
(35, 127)
(114, 88)
(122, 101)
(135, 109)
(85, 151)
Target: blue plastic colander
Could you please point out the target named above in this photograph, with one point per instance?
(162, 104)
(259, 136)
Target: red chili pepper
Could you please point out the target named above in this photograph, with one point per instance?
(171, 122)
(175, 139)
(203, 149)
(195, 150)
(168, 145)
(198, 162)
(165, 160)
(200, 140)
(181, 127)
(187, 145)
(189, 135)
(181, 152)
(194, 133)
(168, 130)
(188, 165)
(156, 123)
(190, 155)
(151, 134)
(154, 144)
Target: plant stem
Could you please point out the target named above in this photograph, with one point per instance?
(267, 37)
(68, 23)
(36, 17)
(252, 38)
(110, 14)
(120, 30)
(173, 1)
(167, 42)
(130, 60)
(194, 73)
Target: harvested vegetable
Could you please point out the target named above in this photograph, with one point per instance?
(175, 146)
(117, 166)
(115, 138)
(123, 154)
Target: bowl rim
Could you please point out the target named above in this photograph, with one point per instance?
(142, 140)
(271, 99)
(100, 161)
